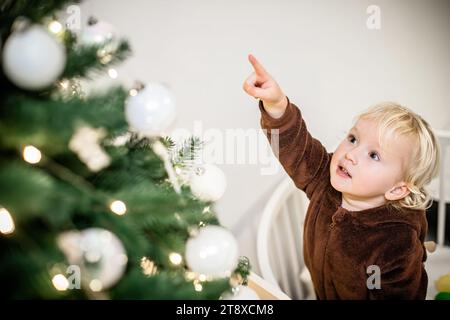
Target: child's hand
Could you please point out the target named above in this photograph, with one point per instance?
(261, 85)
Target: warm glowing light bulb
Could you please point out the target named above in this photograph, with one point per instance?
(118, 207)
(60, 282)
(55, 27)
(112, 73)
(198, 286)
(6, 222)
(175, 258)
(206, 210)
(31, 154)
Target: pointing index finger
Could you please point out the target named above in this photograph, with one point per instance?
(257, 66)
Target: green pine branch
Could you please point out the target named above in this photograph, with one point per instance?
(166, 286)
(34, 10)
(50, 124)
(85, 61)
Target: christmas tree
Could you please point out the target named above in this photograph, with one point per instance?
(94, 202)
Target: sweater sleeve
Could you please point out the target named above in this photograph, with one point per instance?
(304, 158)
(402, 270)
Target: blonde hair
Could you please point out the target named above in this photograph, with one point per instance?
(395, 120)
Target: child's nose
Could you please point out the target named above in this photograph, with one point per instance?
(350, 155)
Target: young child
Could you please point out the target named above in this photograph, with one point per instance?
(366, 217)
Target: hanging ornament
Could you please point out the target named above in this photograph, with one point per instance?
(213, 252)
(98, 33)
(241, 293)
(99, 253)
(151, 110)
(33, 58)
(86, 144)
(208, 183)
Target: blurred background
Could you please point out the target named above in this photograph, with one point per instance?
(330, 57)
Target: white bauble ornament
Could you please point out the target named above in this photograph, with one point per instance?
(151, 110)
(241, 293)
(99, 253)
(33, 58)
(98, 33)
(208, 183)
(212, 252)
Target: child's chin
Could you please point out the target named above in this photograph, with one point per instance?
(339, 185)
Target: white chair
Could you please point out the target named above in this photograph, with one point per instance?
(280, 241)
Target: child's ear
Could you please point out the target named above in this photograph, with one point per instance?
(397, 192)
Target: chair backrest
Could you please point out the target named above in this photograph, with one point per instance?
(280, 241)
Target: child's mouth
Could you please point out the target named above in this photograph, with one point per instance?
(342, 172)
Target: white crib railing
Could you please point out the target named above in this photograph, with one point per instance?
(279, 241)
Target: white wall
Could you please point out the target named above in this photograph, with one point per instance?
(321, 52)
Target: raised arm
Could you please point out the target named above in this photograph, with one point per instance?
(304, 158)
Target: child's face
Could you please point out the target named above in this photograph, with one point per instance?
(376, 174)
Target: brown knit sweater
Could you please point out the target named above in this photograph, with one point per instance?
(340, 245)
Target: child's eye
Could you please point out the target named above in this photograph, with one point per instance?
(351, 138)
(375, 156)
